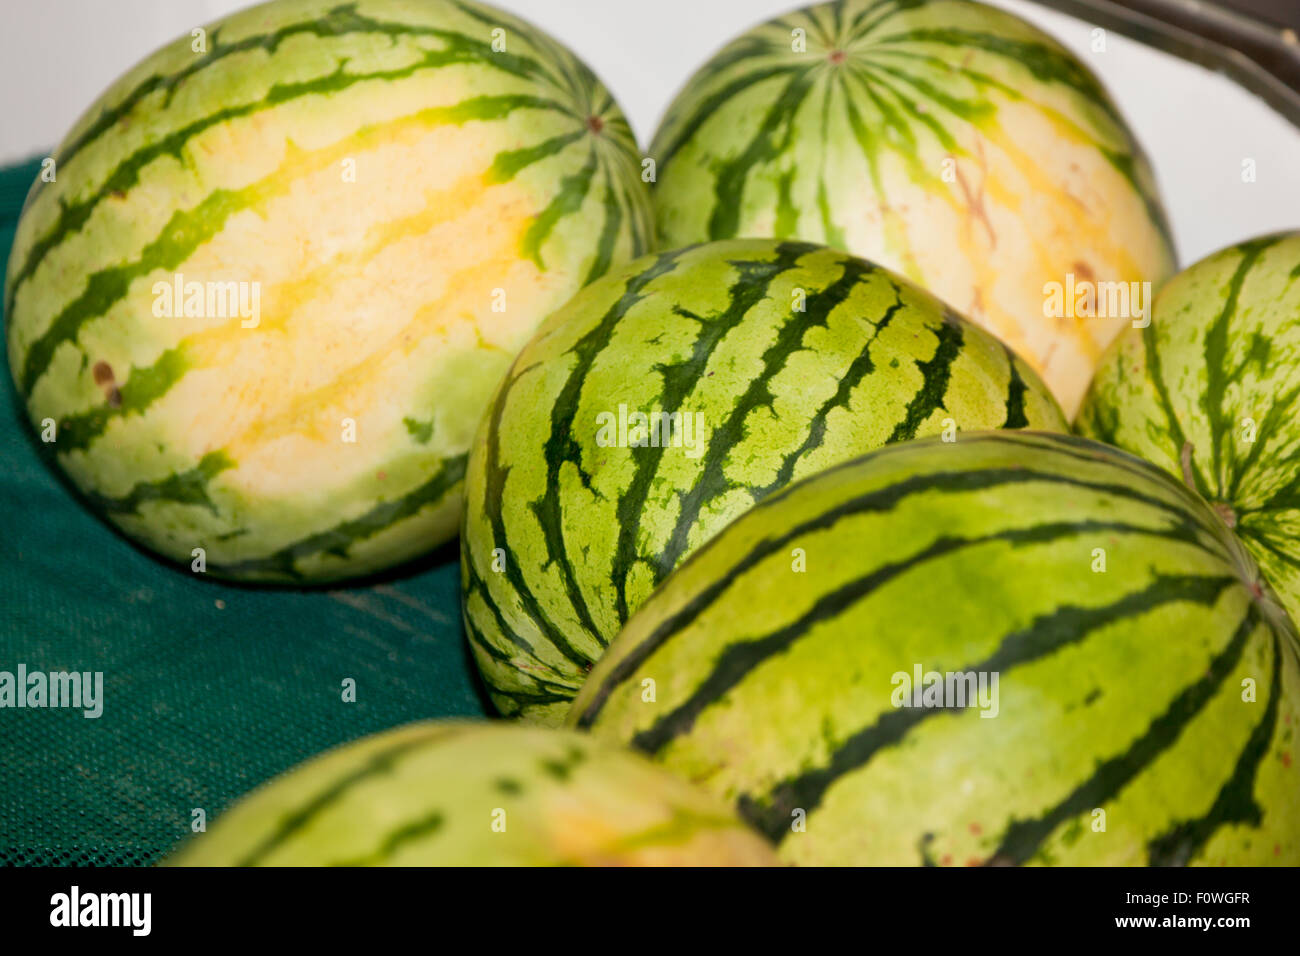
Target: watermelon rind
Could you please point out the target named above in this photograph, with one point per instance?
(1116, 683)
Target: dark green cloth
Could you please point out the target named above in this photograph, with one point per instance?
(209, 689)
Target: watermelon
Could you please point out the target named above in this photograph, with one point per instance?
(950, 141)
(1210, 391)
(1141, 679)
(749, 363)
(280, 265)
(474, 794)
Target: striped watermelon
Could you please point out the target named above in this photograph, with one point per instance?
(779, 358)
(1210, 391)
(945, 139)
(261, 307)
(465, 794)
(1147, 681)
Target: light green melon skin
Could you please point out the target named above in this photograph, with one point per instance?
(1113, 735)
(1217, 373)
(536, 535)
(951, 141)
(474, 794)
(300, 88)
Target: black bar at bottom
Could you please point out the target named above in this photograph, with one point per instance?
(1226, 905)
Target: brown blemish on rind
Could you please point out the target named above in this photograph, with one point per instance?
(103, 375)
(975, 208)
(1225, 512)
(1185, 459)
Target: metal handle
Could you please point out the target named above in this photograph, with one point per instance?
(1262, 57)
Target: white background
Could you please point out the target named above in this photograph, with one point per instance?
(57, 56)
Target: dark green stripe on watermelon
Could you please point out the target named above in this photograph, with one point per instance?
(376, 765)
(339, 539)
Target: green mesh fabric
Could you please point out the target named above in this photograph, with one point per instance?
(209, 689)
